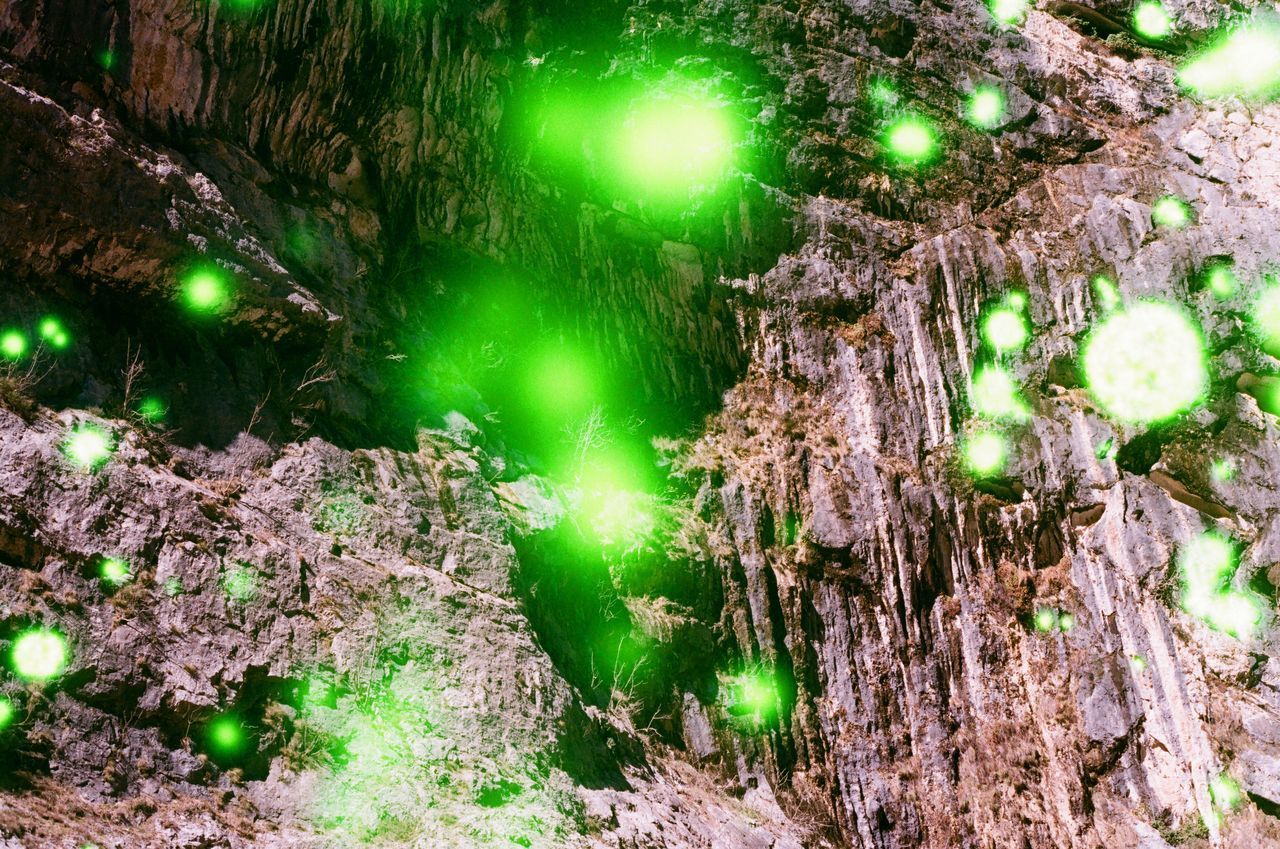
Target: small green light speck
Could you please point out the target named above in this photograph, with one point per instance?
(1005, 330)
(1138, 662)
(1172, 212)
(1225, 793)
(1151, 21)
(106, 59)
(226, 737)
(1016, 301)
(1146, 363)
(911, 139)
(206, 289)
(994, 395)
(7, 713)
(1106, 449)
(1066, 622)
(1222, 470)
(13, 344)
(172, 587)
(1046, 620)
(1008, 12)
(39, 654)
(985, 453)
(152, 409)
(1106, 293)
(115, 572)
(986, 107)
(1221, 281)
(882, 93)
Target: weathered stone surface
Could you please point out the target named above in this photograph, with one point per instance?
(825, 529)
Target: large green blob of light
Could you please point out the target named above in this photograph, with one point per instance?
(994, 395)
(1008, 12)
(88, 446)
(226, 738)
(1265, 319)
(7, 713)
(1146, 363)
(911, 140)
(1152, 21)
(1245, 62)
(205, 289)
(986, 107)
(666, 147)
(39, 654)
(752, 695)
(13, 345)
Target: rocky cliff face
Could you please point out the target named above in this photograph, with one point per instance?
(361, 607)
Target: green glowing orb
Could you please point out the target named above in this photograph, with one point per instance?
(994, 395)
(53, 333)
(7, 713)
(753, 695)
(1139, 663)
(13, 344)
(1146, 363)
(1008, 12)
(1066, 622)
(152, 409)
(911, 139)
(1151, 21)
(1005, 330)
(668, 147)
(622, 518)
(1106, 293)
(1222, 470)
(1046, 620)
(1105, 449)
(985, 453)
(226, 737)
(1246, 63)
(986, 107)
(1170, 211)
(88, 446)
(1265, 319)
(39, 654)
(1207, 565)
(206, 289)
(1225, 793)
(1221, 281)
(1016, 301)
(106, 59)
(115, 571)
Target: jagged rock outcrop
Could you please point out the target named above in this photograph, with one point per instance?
(368, 569)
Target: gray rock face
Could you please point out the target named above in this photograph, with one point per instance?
(391, 606)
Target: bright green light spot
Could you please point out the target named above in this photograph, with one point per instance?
(88, 446)
(623, 518)
(1139, 663)
(1225, 793)
(986, 107)
(1207, 565)
(1245, 63)
(7, 712)
(1106, 293)
(1004, 330)
(752, 695)
(1221, 281)
(1151, 21)
(13, 344)
(1046, 620)
(1266, 319)
(240, 583)
(152, 409)
(1170, 211)
(994, 395)
(1016, 301)
(115, 571)
(1222, 470)
(1146, 363)
(226, 737)
(985, 453)
(670, 146)
(1066, 622)
(205, 289)
(39, 654)
(1008, 12)
(911, 139)
(1105, 449)
(53, 333)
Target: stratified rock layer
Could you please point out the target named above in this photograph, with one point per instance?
(390, 603)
